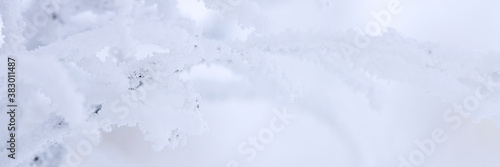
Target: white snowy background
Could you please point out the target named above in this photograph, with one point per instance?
(189, 83)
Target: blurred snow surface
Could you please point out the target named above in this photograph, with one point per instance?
(365, 114)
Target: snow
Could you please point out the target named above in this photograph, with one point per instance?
(253, 83)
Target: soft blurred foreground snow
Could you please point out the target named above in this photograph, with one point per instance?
(334, 126)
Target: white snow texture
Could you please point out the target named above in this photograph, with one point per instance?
(251, 83)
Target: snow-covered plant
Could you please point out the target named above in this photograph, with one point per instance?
(86, 67)
(89, 66)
